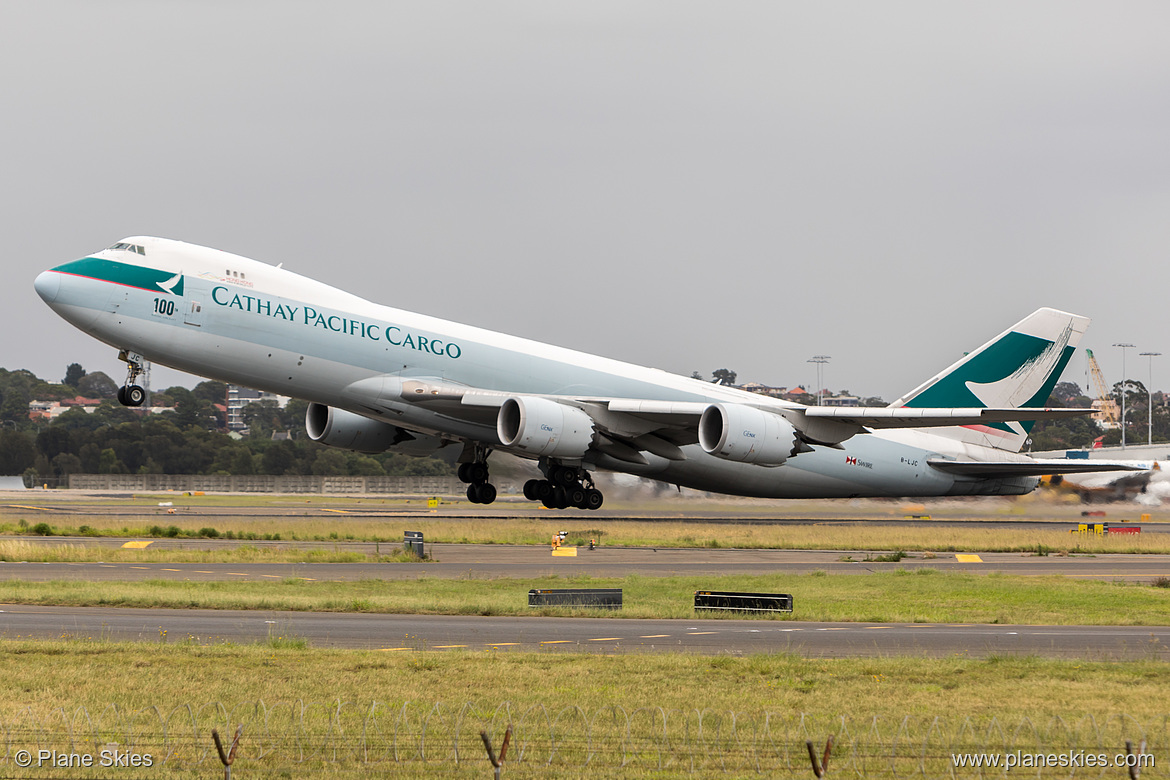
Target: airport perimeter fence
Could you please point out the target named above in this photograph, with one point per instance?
(266, 483)
(433, 738)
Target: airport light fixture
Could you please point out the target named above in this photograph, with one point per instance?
(1150, 396)
(820, 360)
(1123, 348)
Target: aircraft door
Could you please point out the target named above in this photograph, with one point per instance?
(193, 314)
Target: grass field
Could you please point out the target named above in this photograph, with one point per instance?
(924, 596)
(245, 552)
(337, 713)
(41, 674)
(663, 532)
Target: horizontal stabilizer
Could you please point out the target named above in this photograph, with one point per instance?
(1037, 467)
(905, 417)
(832, 425)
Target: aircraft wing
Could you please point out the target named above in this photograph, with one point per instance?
(1036, 468)
(662, 427)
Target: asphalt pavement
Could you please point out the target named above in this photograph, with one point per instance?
(485, 561)
(406, 633)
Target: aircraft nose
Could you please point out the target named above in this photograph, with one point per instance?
(48, 284)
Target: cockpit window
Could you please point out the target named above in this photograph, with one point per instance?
(129, 248)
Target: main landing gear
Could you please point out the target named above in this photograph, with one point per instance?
(131, 393)
(566, 486)
(475, 474)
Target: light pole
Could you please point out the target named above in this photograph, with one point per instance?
(1123, 348)
(820, 360)
(1150, 396)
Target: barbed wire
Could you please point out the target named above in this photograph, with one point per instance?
(698, 741)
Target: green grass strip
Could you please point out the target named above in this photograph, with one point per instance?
(49, 674)
(924, 596)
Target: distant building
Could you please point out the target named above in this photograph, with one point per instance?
(239, 397)
(1104, 410)
(756, 387)
(840, 400)
(51, 410)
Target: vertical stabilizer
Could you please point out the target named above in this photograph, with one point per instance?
(1018, 368)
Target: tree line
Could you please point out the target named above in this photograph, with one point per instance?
(1084, 432)
(186, 439)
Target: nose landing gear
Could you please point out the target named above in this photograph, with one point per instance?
(131, 393)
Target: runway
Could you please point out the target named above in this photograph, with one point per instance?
(509, 508)
(478, 561)
(406, 633)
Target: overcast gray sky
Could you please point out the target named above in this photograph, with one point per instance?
(682, 185)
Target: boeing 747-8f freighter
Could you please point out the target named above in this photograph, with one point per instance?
(379, 378)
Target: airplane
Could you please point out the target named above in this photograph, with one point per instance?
(1146, 484)
(383, 379)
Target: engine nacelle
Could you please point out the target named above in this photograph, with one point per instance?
(746, 434)
(349, 431)
(543, 427)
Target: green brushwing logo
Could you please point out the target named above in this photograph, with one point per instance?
(127, 274)
(1016, 371)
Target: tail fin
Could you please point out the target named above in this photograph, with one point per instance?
(1018, 368)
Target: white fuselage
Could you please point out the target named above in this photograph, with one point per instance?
(226, 317)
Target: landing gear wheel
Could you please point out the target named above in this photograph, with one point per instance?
(593, 499)
(462, 473)
(481, 493)
(543, 490)
(530, 489)
(556, 499)
(576, 496)
(562, 475)
(477, 472)
(485, 492)
(135, 395)
(122, 396)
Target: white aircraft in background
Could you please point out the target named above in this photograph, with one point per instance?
(380, 379)
(1148, 483)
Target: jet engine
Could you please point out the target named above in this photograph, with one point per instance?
(746, 434)
(539, 426)
(349, 431)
